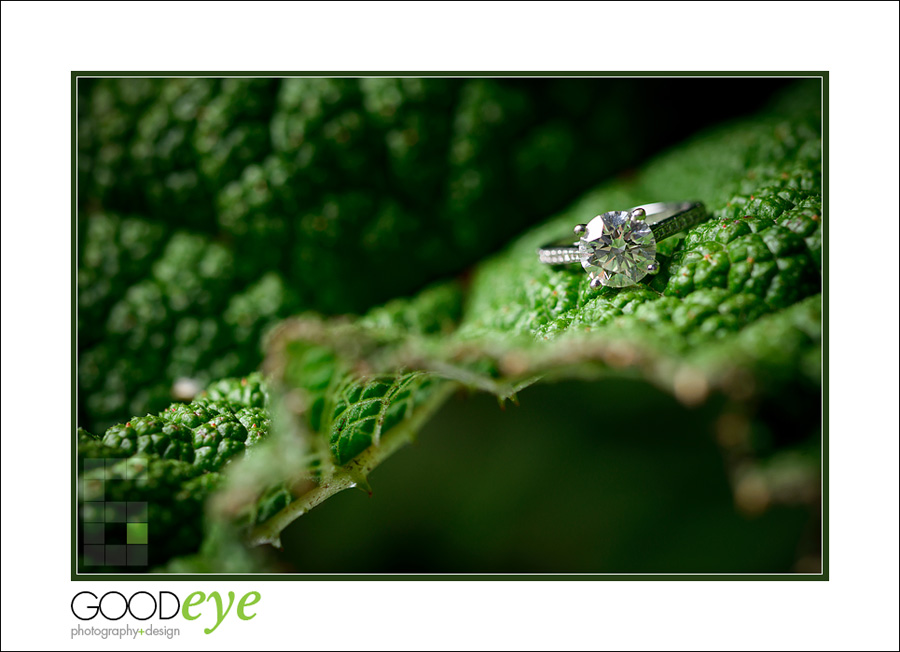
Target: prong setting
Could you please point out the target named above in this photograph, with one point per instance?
(596, 283)
(653, 268)
(638, 214)
(580, 229)
(617, 249)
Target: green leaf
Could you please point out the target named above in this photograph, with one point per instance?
(261, 198)
(175, 460)
(734, 313)
(735, 310)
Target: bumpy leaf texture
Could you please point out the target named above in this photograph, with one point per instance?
(211, 208)
(171, 463)
(735, 312)
(736, 309)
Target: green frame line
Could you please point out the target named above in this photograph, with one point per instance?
(143, 577)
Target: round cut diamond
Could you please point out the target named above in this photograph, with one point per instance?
(617, 249)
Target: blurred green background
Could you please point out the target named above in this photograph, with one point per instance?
(486, 490)
(209, 209)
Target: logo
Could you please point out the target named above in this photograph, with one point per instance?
(165, 605)
(113, 605)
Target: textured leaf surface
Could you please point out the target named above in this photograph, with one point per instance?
(734, 313)
(735, 310)
(209, 208)
(174, 461)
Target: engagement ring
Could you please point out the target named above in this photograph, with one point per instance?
(618, 248)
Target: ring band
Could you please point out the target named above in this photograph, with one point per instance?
(618, 248)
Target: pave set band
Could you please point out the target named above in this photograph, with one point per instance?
(618, 248)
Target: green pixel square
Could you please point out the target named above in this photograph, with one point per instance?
(137, 533)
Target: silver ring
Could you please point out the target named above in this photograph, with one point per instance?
(618, 248)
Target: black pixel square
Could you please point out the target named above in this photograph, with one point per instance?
(115, 512)
(137, 512)
(93, 533)
(115, 555)
(137, 555)
(93, 555)
(92, 464)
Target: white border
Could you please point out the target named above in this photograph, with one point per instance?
(856, 42)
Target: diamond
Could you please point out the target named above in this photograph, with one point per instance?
(617, 249)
